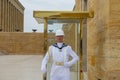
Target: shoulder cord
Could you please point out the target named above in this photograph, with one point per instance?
(49, 54)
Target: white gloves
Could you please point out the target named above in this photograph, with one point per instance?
(43, 69)
(67, 64)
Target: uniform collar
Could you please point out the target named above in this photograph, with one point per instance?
(59, 45)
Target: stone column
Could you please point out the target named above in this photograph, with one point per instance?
(19, 26)
(22, 22)
(18, 21)
(0, 14)
(8, 16)
(3, 15)
(15, 18)
(12, 18)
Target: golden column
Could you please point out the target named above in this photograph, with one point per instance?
(81, 49)
(45, 34)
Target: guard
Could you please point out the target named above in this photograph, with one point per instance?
(59, 53)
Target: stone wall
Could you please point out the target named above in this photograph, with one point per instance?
(19, 43)
(103, 40)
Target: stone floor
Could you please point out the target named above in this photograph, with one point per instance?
(20, 67)
(23, 67)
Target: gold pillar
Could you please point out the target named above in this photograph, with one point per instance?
(45, 35)
(81, 35)
(76, 47)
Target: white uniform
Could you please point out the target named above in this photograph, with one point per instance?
(59, 71)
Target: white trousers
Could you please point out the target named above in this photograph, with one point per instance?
(59, 73)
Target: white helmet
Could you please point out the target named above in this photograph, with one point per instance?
(59, 32)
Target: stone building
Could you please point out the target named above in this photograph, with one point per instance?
(11, 16)
(101, 34)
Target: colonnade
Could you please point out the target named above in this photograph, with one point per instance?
(11, 16)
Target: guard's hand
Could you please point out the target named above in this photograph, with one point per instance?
(43, 69)
(66, 64)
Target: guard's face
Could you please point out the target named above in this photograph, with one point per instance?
(59, 38)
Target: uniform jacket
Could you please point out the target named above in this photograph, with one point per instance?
(60, 61)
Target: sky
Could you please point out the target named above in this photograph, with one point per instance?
(46, 5)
